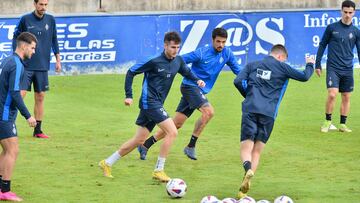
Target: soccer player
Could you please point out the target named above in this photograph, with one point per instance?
(43, 26)
(159, 74)
(207, 62)
(263, 84)
(11, 72)
(341, 37)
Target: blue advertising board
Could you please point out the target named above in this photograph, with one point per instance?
(112, 43)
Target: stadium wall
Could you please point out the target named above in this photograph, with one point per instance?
(112, 43)
(11, 7)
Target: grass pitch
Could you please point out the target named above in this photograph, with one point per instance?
(87, 121)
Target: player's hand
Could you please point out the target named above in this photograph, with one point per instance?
(310, 60)
(58, 67)
(318, 72)
(31, 121)
(128, 101)
(201, 83)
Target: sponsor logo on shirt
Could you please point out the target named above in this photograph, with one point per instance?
(263, 74)
(30, 27)
(161, 70)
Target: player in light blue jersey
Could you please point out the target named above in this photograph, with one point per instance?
(207, 63)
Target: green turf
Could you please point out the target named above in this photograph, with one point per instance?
(87, 121)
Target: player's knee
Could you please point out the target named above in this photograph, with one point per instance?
(208, 114)
(178, 125)
(39, 98)
(332, 96)
(172, 133)
(13, 152)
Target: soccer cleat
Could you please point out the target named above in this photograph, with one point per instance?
(344, 128)
(325, 126)
(241, 195)
(10, 196)
(245, 185)
(190, 152)
(105, 168)
(160, 176)
(143, 151)
(41, 135)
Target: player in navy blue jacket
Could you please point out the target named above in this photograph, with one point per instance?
(207, 63)
(43, 26)
(263, 84)
(341, 37)
(11, 72)
(159, 74)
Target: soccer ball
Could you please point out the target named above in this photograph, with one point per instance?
(210, 199)
(176, 188)
(229, 200)
(263, 201)
(247, 199)
(283, 199)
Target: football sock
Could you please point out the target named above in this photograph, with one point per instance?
(37, 129)
(149, 142)
(192, 142)
(160, 164)
(5, 186)
(343, 119)
(247, 165)
(113, 158)
(328, 116)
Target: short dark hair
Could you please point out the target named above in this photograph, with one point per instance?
(26, 37)
(36, 1)
(172, 36)
(219, 32)
(279, 49)
(348, 4)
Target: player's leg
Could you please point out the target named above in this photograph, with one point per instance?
(332, 83)
(346, 86)
(170, 130)
(178, 120)
(8, 159)
(41, 84)
(255, 155)
(248, 132)
(195, 99)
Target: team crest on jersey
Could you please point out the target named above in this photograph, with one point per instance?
(221, 60)
(351, 35)
(46, 27)
(263, 74)
(0, 70)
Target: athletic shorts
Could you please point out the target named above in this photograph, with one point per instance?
(38, 78)
(7, 129)
(192, 98)
(256, 127)
(343, 81)
(148, 118)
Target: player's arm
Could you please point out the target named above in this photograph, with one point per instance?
(55, 47)
(358, 44)
(14, 84)
(241, 80)
(322, 46)
(192, 57)
(300, 75)
(187, 73)
(20, 27)
(134, 70)
(233, 64)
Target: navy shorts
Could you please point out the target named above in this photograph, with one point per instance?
(7, 129)
(343, 81)
(38, 78)
(192, 98)
(148, 118)
(256, 127)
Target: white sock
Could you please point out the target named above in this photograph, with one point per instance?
(160, 164)
(113, 158)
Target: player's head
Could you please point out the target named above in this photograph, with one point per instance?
(25, 45)
(219, 36)
(279, 52)
(40, 6)
(347, 11)
(172, 42)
